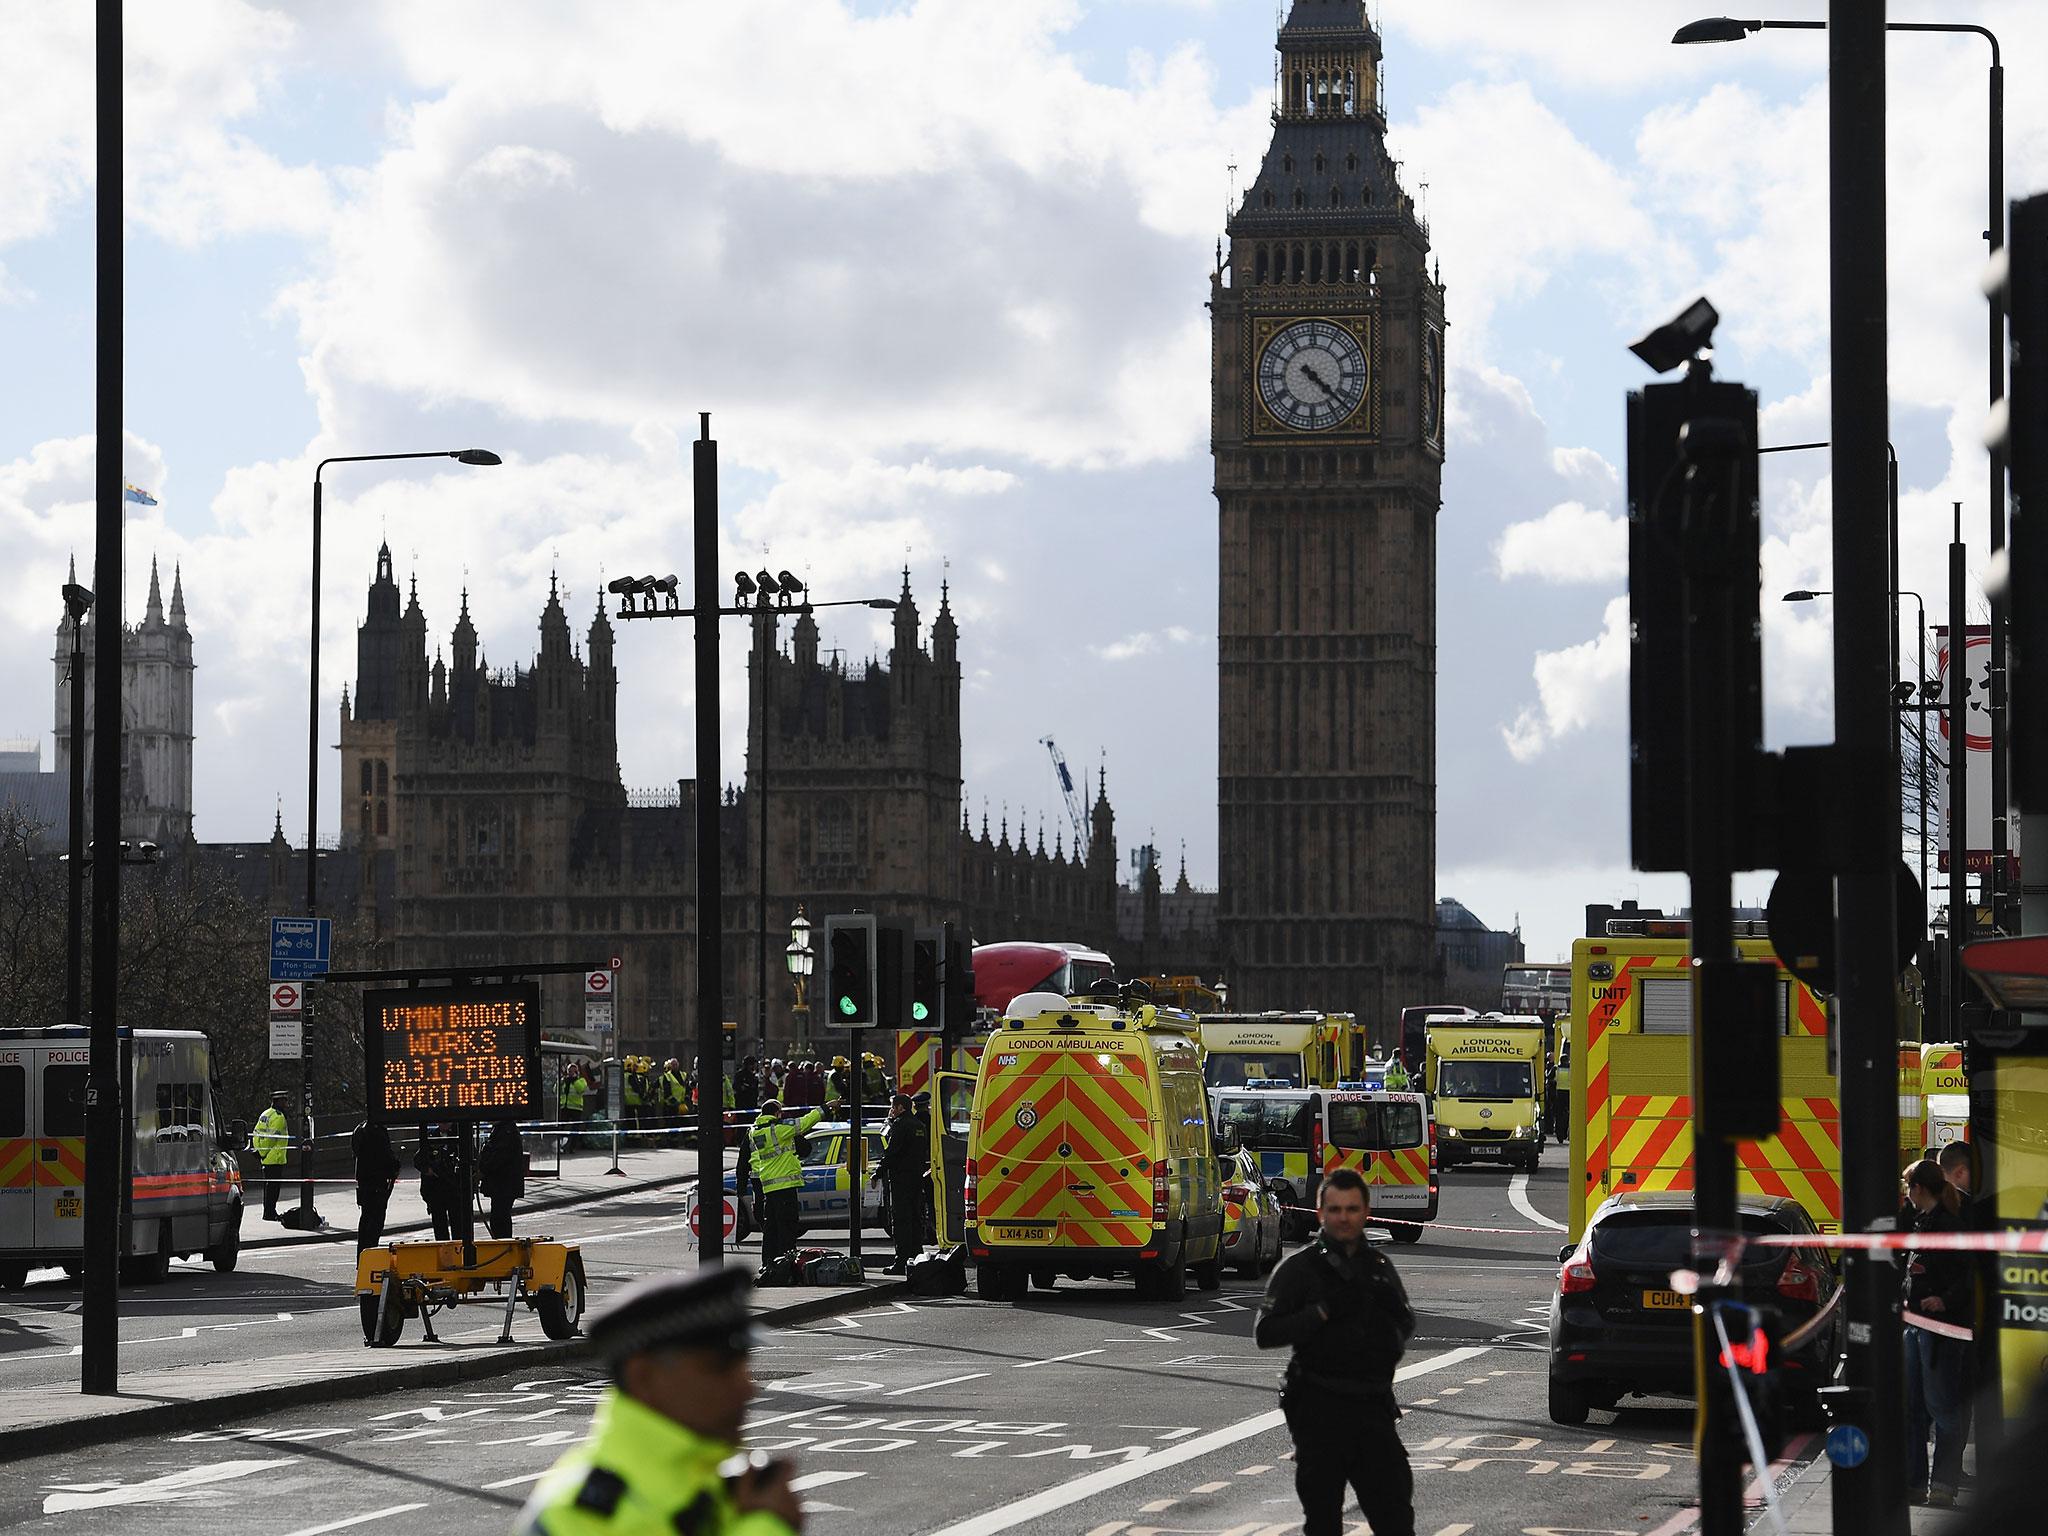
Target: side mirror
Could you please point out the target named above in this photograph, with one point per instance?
(1566, 1252)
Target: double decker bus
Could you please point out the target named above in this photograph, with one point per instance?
(1543, 988)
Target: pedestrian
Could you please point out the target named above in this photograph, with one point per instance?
(773, 1143)
(501, 1174)
(272, 1142)
(906, 1163)
(633, 1088)
(376, 1177)
(572, 1101)
(1938, 1286)
(441, 1188)
(662, 1452)
(675, 1093)
(1340, 1307)
(746, 1086)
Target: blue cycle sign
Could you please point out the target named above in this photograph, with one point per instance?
(300, 947)
(1847, 1445)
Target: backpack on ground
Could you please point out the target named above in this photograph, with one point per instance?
(940, 1273)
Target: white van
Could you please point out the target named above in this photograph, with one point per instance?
(181, 1189)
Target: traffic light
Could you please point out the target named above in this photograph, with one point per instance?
(927, 995)
(867, 972)
(850, 972)
(959, 983)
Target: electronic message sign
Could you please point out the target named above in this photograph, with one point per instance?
(453, 1053)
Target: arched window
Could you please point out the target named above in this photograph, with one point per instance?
(1287, 163)
(366, 776)
(1351, 161)
(1336, 197)
(383, 777)
(1300, 271)
(1351, 261)
(1315, 264)
(1319, 162)
(1260, 267)
(835, 832)
(383, 817)
(1268, 199)
(1300, 198)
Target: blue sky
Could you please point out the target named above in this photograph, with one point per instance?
(939, 270)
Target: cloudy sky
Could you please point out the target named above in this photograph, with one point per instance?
(938, 268)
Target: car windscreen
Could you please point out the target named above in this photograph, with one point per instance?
(1375, 1127)
(1265, 1125)
(1484, 1080)
(1233, 1069)
(1663, 1240)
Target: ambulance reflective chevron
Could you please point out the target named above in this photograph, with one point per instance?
(1392, 1142)
(1090, 1151)
(1631, 1061)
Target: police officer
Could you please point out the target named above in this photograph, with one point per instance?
(376, 1175)
(777, 1169)
(675, 1093)
(501, 1174)
(661, 1453)
(572, 1097)
(1339, 1306)
(906, 1162)
(272, 1141)
(1397, 1074)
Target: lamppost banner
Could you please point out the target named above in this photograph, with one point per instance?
(1977, 724)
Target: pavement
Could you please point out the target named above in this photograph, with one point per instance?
(1808, 1503)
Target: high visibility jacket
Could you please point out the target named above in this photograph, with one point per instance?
(632, 1090)
(672, 1090)
(728, 1093)
(640, 1473)
(774, 1144)
(572, 1096)
(270, 1137)
(1397, 1076)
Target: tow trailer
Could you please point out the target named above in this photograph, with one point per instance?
(420, 1276)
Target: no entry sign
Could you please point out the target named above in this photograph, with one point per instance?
(728, 1217)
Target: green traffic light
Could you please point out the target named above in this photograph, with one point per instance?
(919, 1012)
(848, 1007)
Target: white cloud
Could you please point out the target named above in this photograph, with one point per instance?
(1575, 687)
(1145, 643)
(1570, 543)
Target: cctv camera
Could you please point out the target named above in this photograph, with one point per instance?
(1679, 341)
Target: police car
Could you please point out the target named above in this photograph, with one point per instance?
(822, 1199)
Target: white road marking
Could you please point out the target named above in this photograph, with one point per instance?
(1023, 1512)
(171, 1487)
(1518, 1196)
(927, 1386)
(1025, 1365)
(524, 1477)
(342, 1525)
(821, 1479)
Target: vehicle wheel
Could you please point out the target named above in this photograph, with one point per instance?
(1042, 1279)
(13, 1276)
(150, 1268)
(1208, 1274)
(394, 1321)
(1568, 1402)
(1406, 1231)
(992, 1282)
(561, 1312)
(1169, 1282)
(228, 1252)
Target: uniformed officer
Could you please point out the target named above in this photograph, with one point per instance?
(773, 1143)
(662, 1456)
(1397, 1074)
(907, 1164)
(272, 1142)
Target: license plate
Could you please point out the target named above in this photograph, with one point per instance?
(1489, 1150)
(1669, 1301)
(69, 1207)
(1033, 1232)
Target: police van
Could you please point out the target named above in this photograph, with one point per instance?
(1301, 1134)
(181, 1189)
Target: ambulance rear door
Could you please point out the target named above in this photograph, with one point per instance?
(1385, 1136)
(57, 1115)
(17, 1149)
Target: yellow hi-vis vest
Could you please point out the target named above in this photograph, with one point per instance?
(774, 1143)
(572, 1096)
(271, 1137)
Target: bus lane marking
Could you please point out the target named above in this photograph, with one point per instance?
(1079, 1354)
(1518, 1196)
(342, 1525)
(929, 1386)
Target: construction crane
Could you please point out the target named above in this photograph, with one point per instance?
(1076, 812)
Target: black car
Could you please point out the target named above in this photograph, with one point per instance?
(1617, 1326)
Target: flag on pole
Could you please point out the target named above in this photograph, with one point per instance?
(136, 494)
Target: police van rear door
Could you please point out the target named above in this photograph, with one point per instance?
(1386, 1138)
(17, 1149)
(57, 1115)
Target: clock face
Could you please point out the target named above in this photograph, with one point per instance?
(1433, 387)
(1313, 375)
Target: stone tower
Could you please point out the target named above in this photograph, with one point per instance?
(1327, 426)
(156, 713)
(369, 719)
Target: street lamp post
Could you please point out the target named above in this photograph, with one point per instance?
(800, 960)
(1726, 29)
(461, 456)
(1807, 595)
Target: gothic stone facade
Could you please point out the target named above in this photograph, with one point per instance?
(156, 715)
(1327, 424)
(514, 838)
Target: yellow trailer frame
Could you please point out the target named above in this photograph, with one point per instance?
(417, 1277)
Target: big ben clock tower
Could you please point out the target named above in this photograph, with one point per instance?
(1327, 427)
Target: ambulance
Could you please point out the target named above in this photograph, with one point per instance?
(1944, 1098)
(1090, 1151)
(1302, 1049)
(1282, 1126)
(181, 1190)
(1485, 1079)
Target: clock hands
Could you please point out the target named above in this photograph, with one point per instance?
(1324, 384)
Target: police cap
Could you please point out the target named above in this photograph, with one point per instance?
(705, 1310)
